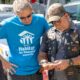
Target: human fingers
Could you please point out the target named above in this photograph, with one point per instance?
(12, 70)
(50, 66)
(13, 65)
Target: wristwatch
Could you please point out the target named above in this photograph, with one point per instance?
(42, 61)
(70, 61)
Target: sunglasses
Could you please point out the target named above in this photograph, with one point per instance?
(26, 16)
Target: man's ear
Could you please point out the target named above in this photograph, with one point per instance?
(67, 15)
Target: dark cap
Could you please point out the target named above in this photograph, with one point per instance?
(55, 12)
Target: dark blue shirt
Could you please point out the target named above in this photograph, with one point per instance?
(61, 45)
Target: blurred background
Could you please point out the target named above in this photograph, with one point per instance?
(41, 1)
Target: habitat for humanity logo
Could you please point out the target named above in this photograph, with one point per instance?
(26, 38)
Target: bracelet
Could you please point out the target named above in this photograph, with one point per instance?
(70, 61)
(43, 61)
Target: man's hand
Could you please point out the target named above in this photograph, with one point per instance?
(76, 60)
(47, 66)
(8, 67)
(61, 64)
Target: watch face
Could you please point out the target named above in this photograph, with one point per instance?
(70, 62)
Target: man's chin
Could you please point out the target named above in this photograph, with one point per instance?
(27, 23)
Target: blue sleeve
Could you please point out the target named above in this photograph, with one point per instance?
(2, 32)
(50, 25)
(46, 25)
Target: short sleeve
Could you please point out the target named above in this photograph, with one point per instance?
(46, 25)
(44, 43)
(2, 31)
